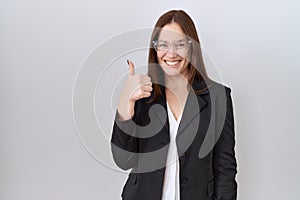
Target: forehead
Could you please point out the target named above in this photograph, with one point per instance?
(171, 32)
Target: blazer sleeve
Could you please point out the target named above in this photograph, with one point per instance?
(124, 146)
(225, 166)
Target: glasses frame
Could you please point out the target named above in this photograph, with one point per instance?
(171, 44)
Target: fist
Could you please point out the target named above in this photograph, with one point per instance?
(138, 85)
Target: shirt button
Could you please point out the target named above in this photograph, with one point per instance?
(184, 180)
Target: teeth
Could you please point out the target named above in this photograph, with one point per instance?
(172, 63)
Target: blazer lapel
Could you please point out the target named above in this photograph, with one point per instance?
(193, 106)
(160, 110)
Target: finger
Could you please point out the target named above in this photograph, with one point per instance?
(131, 67)
(148, 84)
(147, 88)
(146, 94)
(144, 82)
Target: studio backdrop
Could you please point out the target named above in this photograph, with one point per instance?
(63, 66)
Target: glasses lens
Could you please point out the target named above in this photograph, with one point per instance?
(182, 45)
(163, 46)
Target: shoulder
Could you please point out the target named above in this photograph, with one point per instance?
(215, 87)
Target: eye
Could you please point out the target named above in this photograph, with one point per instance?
(162, 45)
(181, 45)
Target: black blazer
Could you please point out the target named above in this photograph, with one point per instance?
(205, 143)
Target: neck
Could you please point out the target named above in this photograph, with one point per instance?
(176, 83)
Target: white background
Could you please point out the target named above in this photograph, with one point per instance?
(254, 44)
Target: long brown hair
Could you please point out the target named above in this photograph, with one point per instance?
(196, 68)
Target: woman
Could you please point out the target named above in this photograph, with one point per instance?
(174, 127)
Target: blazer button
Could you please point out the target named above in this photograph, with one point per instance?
(184, 180)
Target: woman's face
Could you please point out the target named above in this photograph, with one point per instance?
(173, 49)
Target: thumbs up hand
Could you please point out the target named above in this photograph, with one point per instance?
(137, 86)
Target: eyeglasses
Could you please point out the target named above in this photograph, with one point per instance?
(181, 46)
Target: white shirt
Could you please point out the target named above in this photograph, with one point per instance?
(171, 190)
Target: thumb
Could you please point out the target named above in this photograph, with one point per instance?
(131, 67)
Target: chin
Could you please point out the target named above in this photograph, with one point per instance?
(172, 69)
(173, 73)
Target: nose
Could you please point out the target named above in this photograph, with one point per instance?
(171, 51)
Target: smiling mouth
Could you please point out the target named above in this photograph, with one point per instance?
(172, 63)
